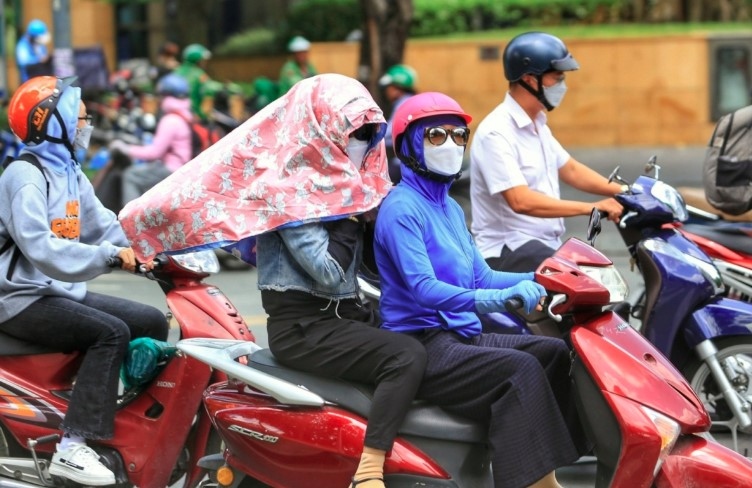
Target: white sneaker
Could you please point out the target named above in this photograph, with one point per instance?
(81, 464)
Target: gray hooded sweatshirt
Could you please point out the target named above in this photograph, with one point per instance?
(65, 236)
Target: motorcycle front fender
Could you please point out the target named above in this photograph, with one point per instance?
(696, 461)
(721, 317)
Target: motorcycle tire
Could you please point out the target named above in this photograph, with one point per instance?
(699, 376)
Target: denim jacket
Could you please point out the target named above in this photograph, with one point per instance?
(310, 268)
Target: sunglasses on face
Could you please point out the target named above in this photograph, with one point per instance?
(87, 118)
(438, 135)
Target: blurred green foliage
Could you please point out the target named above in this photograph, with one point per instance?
(333, 20)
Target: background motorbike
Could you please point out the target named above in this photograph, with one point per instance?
(161, 430)
(683, 310)
(646, 424)
(729, 245)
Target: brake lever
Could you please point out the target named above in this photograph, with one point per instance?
(628, 215)
(556, 300)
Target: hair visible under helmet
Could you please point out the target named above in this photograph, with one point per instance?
(420, 111)
(536, 53)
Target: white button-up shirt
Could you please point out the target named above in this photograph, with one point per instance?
(508, 150)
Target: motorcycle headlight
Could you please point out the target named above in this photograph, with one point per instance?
(198, 262)
(668, 195)
(609, 277)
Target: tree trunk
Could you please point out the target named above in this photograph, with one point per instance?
(385, 29)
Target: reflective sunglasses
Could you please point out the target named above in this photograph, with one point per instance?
(438, 135)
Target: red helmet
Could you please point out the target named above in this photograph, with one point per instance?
(420, 106)
(32, 106)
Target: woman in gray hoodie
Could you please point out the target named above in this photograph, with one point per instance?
(54, 236)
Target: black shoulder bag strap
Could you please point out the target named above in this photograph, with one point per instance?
(31, 159)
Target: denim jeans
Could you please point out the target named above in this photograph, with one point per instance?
(101, 326)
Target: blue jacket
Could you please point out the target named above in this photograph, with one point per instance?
(310, 269)
(429, 265)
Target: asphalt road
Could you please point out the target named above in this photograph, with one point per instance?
(680, 167)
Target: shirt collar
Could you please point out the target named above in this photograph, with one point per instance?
(520, 117)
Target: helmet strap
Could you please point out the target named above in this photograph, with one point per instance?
(64, 140)
(413, 164)
(537, 93)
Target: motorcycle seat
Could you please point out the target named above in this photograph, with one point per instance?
(423, 419)
(10, 346)
(736, 240)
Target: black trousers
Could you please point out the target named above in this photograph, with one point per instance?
(351, 348)
(524, 259)
(518, 385)
(101, 326)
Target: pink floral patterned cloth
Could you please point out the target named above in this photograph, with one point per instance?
(286, 164)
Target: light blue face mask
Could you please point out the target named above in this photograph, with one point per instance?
(555, 93)
(83, 136)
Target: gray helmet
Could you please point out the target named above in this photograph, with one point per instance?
(536, 53)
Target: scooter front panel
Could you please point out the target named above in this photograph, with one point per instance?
(624, 363)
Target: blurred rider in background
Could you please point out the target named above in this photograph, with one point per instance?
(32, 54)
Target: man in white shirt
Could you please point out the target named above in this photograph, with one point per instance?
(517, 164)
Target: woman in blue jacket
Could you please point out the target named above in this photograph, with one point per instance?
(435, 282)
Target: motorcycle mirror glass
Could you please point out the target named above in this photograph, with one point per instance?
(652, 165)
(594, 226)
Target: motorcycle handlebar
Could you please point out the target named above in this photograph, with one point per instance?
(513, 304)
(116, 262)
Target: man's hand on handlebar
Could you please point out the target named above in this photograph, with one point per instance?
(611, 208)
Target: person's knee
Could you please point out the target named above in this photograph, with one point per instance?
(158, 328)
(411, 358)
(116, 334)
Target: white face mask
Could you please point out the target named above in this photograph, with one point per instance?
(83, 136)
(356, 151)
(44, 38)
(446, 159)
(555, 93)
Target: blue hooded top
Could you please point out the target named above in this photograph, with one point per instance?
(429, 265)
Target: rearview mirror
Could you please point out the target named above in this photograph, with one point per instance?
(594, 226)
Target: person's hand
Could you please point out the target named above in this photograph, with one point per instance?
(611, 208)
(118, 146)
(129, 259)
(530, 292)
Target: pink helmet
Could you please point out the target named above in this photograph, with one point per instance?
(424, 105)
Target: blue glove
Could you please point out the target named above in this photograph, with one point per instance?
(530, 292)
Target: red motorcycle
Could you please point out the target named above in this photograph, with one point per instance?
(729, 244)
(160, 428)
(285, 428)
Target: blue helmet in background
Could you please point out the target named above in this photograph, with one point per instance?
(173, 85)
(536, 53)
(36, 28)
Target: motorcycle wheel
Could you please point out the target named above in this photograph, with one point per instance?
(735, 352)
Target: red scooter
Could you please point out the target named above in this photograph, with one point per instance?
(161, 430)
(288, 428)
(729, 244)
